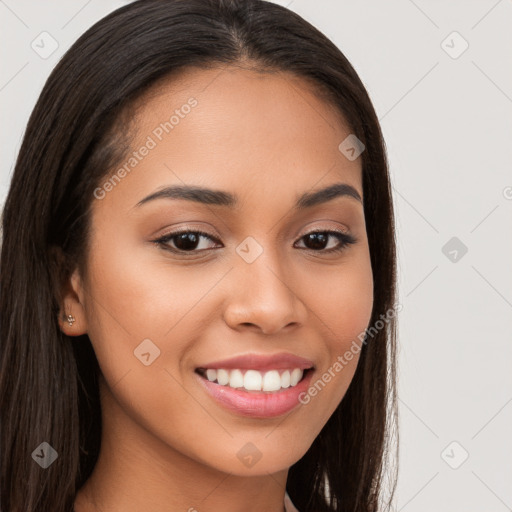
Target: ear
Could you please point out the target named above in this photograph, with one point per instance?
(69, 292)
(72, 318)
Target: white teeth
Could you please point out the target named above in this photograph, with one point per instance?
(211, 375)
(236, 379)
(222, 377)
(295, 376)
(253, 380)
(285, 379)
(271, 381)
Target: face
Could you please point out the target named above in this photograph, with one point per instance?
(255, 281)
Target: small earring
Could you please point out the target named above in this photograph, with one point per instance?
(70, 319)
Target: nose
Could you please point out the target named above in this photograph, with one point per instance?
(263, 296)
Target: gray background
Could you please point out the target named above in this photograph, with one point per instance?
(447, 122)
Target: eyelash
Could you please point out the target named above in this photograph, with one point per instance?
(344, 238)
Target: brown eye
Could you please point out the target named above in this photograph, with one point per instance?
(189, 241)
(184, 241)
(317, 240)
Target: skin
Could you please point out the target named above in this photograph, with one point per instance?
(167, 445)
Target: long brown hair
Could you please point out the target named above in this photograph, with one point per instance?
(48, 384)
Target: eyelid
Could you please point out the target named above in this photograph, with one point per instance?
(323, 230)
(189, 228)
(345, 239)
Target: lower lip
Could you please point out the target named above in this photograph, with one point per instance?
(257, 405)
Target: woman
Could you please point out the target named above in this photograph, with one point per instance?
(198, 272)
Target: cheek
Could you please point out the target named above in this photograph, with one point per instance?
(141, 303)
(344, 300)
(138, 307)
(343, 303)
(138, 293)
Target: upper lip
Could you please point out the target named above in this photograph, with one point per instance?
(282, 360)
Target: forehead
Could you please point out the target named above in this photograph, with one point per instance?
(237, 129)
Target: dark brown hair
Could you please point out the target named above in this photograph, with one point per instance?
(48, 384)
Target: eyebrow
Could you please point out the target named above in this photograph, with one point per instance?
(221, 198)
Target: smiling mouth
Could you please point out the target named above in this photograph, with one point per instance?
(253, 381)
